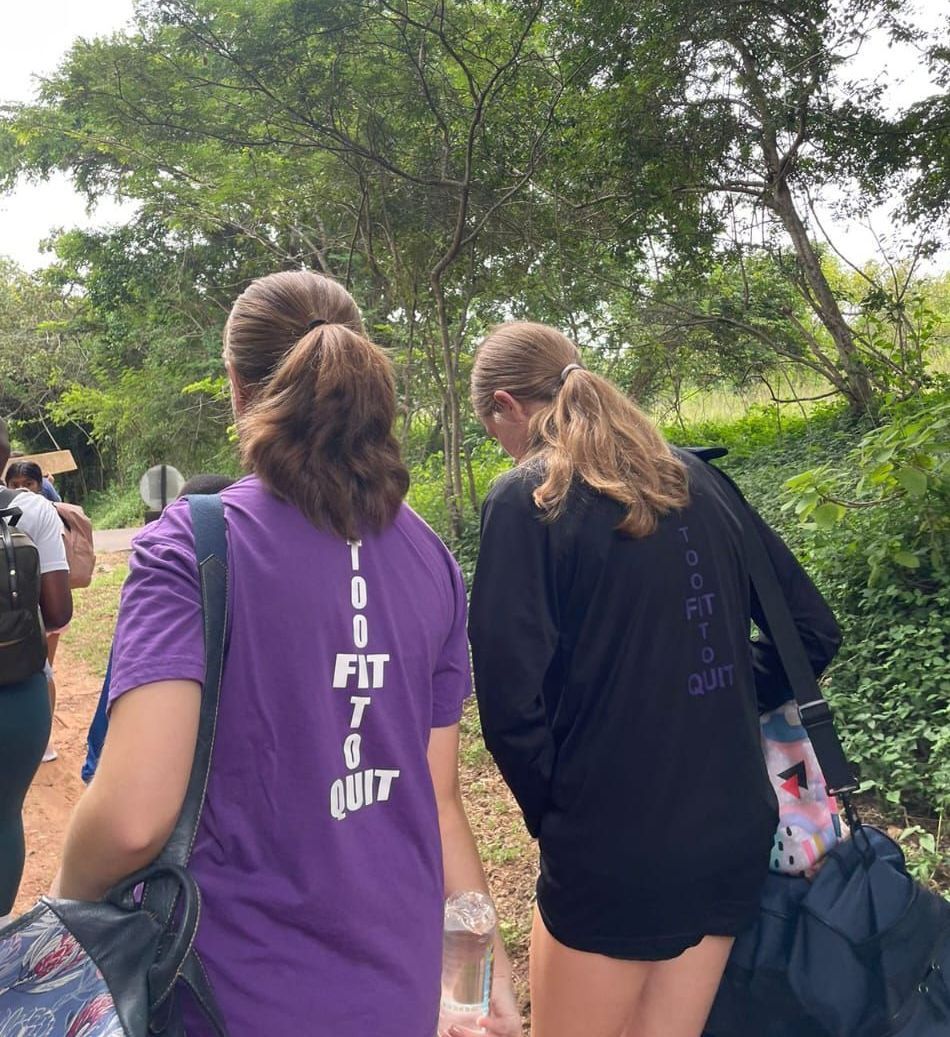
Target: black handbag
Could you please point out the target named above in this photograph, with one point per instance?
(112, 968)
(860, 950)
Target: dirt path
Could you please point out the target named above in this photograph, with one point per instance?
(108, 540)
(57, 785)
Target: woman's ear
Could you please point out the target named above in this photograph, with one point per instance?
(506, 405)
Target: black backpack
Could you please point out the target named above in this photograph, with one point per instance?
(22, 637)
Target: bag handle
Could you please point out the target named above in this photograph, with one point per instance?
(815, 712)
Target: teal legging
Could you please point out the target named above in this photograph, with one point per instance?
(24, 731)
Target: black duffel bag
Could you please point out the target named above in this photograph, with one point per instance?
(861, 950)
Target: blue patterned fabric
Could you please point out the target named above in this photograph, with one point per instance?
(49, 986)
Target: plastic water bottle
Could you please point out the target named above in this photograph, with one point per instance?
(466, 959)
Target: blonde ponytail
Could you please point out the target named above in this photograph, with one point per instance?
(585, 429)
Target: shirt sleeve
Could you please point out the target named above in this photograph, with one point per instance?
(159, 634)
(514, 637)
(49, 492)
(452, 679)
(45, 528)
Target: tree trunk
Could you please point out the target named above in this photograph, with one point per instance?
(407, 379)
(470, 477)
(454, 487)
(859, 391)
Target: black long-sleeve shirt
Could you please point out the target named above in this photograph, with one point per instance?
(617, 687)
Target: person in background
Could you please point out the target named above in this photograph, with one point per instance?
(96, 736)
(333, 824)
(46, 482)
(27, 475)
(25, 715)
(617, 685)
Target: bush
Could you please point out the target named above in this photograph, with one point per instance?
(427, 497)
(877, 522)
(117, 507)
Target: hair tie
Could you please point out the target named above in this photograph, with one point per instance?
(315, 323)
(567, 370)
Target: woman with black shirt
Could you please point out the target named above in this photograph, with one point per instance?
(617, 685)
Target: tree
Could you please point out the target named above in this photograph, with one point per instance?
(745, 107)
(374, 141)
(37, 352)
(640, 176)
(924, 134)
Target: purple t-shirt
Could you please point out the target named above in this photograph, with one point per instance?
(318, 854)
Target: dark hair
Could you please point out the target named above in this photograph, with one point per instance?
(320, 402)
(206, 483)
(25, 470)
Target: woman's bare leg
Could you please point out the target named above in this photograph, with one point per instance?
(679, 993)
(579, 994)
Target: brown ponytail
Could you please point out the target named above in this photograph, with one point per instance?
(586, 428)
(317, 426)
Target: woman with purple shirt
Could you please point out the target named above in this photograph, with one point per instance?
(333, 825)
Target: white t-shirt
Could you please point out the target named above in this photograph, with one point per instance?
(44, 527)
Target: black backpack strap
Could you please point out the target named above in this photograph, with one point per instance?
(815, 712)
(9, 516)
(211, 553)
(9, 512)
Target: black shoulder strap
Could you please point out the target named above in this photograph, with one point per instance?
(9, 516)
(815, 712)
(11, 513)
(211, 552)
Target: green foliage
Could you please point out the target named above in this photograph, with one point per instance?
(427, 496)
(876, 520)
(585, 163)
(901, 468)
(629, 173)
(117, 507)
(923, 851)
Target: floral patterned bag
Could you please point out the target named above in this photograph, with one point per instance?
(50, 985)
(111, 968)
(54, 961)
(808, 825)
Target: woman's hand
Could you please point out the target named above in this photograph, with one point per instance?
(503, 1019)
